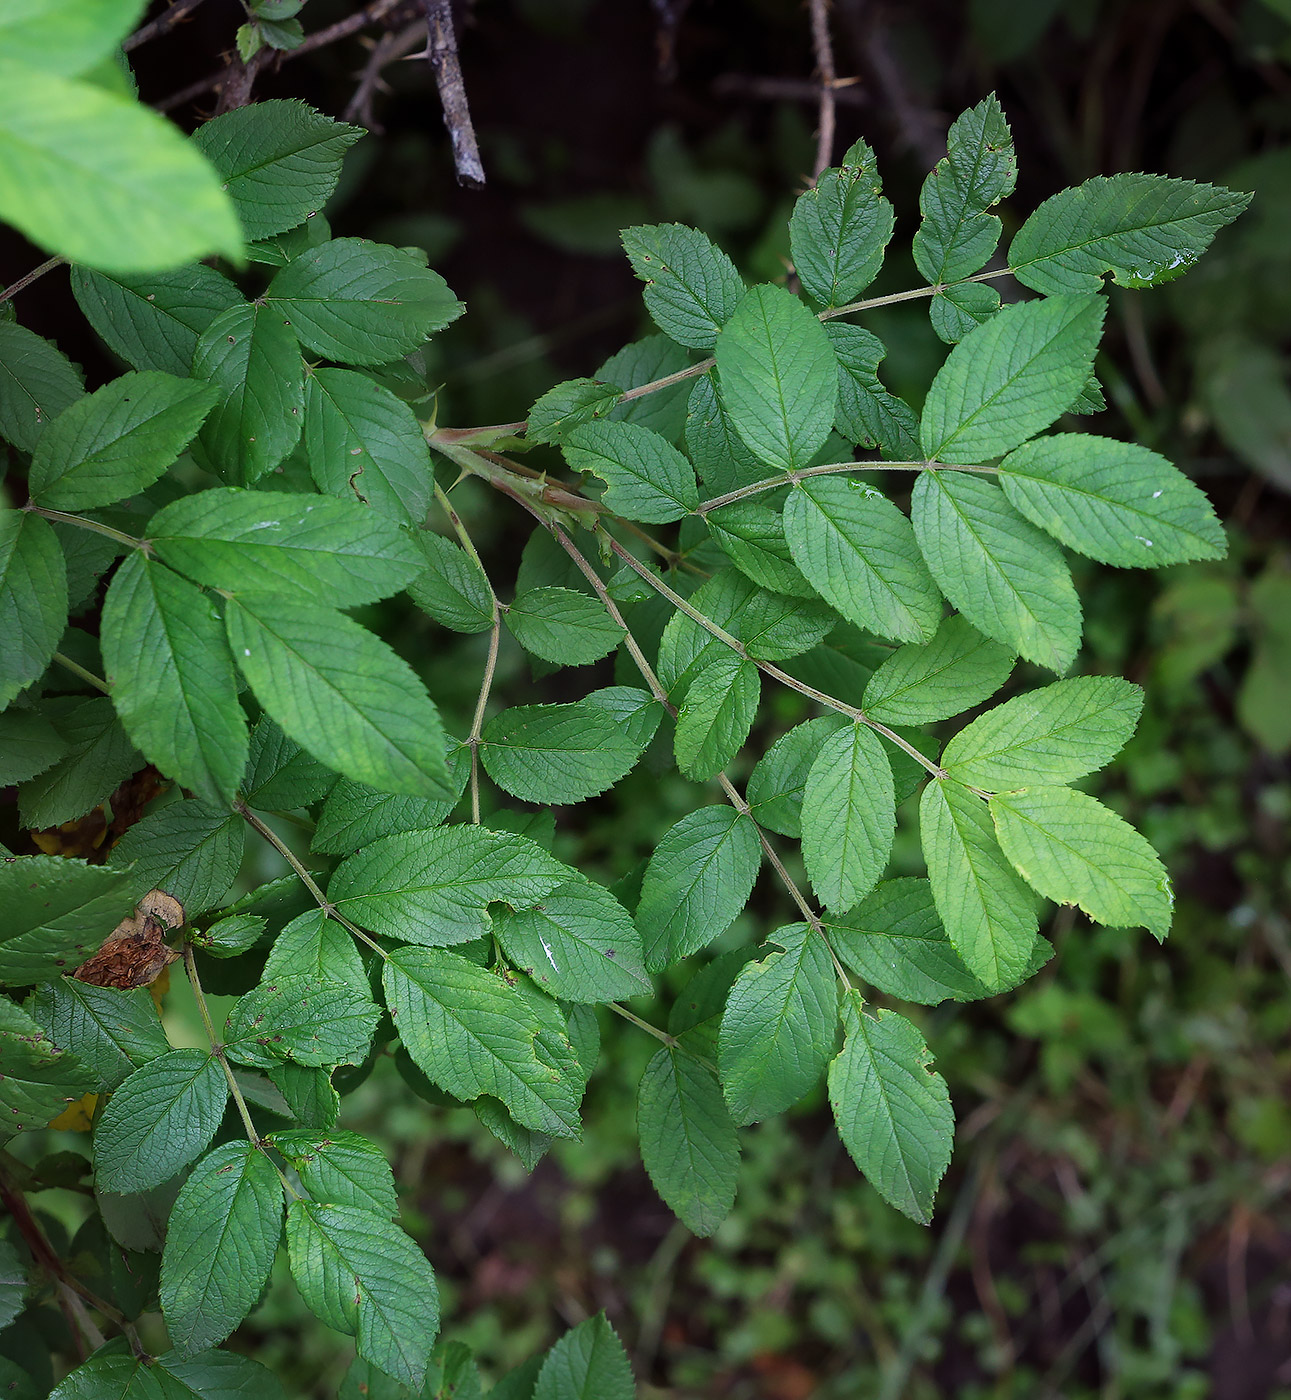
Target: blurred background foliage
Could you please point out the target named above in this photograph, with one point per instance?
(1116, 1218)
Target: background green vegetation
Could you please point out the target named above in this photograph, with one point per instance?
(1115, 1221)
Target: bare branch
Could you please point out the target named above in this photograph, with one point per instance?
(827, 79)
(441, 50)
(179, 10)
(388, 49)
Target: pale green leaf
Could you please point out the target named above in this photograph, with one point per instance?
(116, 441)
(432, 887)
(635, 711)
(154, 321)
(715, 717)
(57, 912)
(777, 782)
(988, 913)
(778, 376)
(160, 1118)
(191, 850)
(279, 160)
(587, 1363)
(647, 477)
(839, 229)
(1114, 501)
(692, 287)
(251, 355)
(893, 1113)
(562, 626)
(1011, 377)
(958, 669)
(1144, 229)
(230, 936)
(1009, 580)
(65, 36)
(555, 754)
(166, 658)
(699, 878)
(848, 817)
(37, 382)
(220, 1242)
(361, 303)
(103, 181)
(365, 444)
(33, 599)
(689, 1145)
(473, 1034)
(858, 551)
(1048, 736)
(1075, 851)
(779, 1026)
(340, 693)
(359, 1273)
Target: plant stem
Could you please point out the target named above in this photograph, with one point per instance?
(913, 295)
(77, 669)
(84, 523)
(179, 10)
(15, 287)
(829, 469)
(306, 878)
(670, 1041)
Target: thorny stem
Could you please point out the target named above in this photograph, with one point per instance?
(15, 287)
(756, 488)
(306, 878)
(85, 523)
(77, 669)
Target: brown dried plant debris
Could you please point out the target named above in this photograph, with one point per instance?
(135, 952)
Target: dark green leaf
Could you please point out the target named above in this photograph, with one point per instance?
(280, 774)
(341, 1168)
(28, 745)
(867, 413)
(210, 1375)
(39, 1079)
(33, 599)
(752, 537)
(452, 587)
(588, 1361)
(355, 815)
(37, 382)
(692, 287)
(303, 1018)
(715, 717)
(777, 782)
(191, 850)
(840, 228)
(99, 757)
(568, 406)
(555, 754)
(647, 478)
(562, 626)
(112, 1032)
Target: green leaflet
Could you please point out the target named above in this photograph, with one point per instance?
(579, 944)
(280, 774)
(28, 745)
(279, 160)
(839, 229)
(451, 587)
(334, 552)
(99, 757)
(63, 38)
(342, 1168)
(432, 887)
(554, 754)
(776, 784)
(858, 551)
(567, 406)
(365, 444)
(699, 878)
(1053, 735)
(308, 1019)
(895, 940)
(339, 692)
(958, 669)
(154, 321)
(359, 1273)
(588, 1361)
(355, 815)
(251, 355)
(636, 712)
(893, 1113)
(1114, 501)
(192, 850)
(647, 478)
(473, 1034)
(230, 936)
(155, 204)
(719, 453)
(13, 1287)
(1144, 229)
(988, 913)
(867, 413)
(715, 717)
(1009, 378)
(778, 377)
(309, 1094)
(361, 303)
(220, 1241)
(40, 1079)
(957, 235)
(688, 1141)
(33, 599)
(962, 308)
(166, 658)
(848, 817)
(37, 382)
(111, 1032)
(116, 441)
(57, 912)
(562, 626)
(779, 1026)
(752, 537)
(210, 1375)
(160, 1118)
(1075, 851)
(312, 945)
(1010, 581)
(692, 287)
(642, 362)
